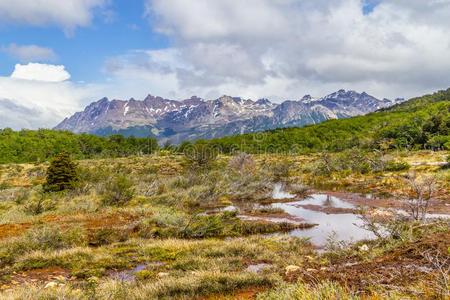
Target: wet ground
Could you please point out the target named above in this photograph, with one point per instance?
(336, 225)
(370, 200)
(336, 215)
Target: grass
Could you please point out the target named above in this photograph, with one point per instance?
(154, 212)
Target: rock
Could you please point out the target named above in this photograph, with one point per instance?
(291, 269)
(163, 274)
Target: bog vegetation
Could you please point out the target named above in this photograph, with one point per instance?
(187, 222)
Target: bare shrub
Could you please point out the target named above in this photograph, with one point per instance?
(38, 203)
(442, 266)
(280, 170)
(418, 193)
(242, 163)
(200, 157)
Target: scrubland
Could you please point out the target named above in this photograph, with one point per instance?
(154, 227)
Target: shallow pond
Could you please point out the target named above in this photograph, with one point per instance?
(342, 226)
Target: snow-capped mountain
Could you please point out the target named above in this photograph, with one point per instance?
(195, 118)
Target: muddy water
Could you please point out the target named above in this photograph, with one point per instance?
(279, 194)
(318, 209)
(341, 226)
(325, 201)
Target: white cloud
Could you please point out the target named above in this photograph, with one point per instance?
(28, 53)
(281, 49)
(40, 72)
(68, 14)
(39, 95)
(290, 47)
(33, 104)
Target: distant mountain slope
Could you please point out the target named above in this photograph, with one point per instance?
(417, 123)
(196, 118)
(422, 122)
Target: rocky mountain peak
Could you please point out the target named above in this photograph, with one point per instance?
(195, 117)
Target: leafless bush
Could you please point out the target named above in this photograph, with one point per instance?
(442, 266)
(386, 224)
(280, 170)
(418, 194)
(242, 163)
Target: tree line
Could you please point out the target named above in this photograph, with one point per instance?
(41, 145)
(420, 123)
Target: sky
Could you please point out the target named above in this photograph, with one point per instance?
(56, 56)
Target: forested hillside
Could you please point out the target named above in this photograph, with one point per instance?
(40, 145)
(419, 123)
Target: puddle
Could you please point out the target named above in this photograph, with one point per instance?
(290, 219)
(128, 275)
(343, 226)
(334, 216)
(326, 201)
(229, 208)
(279, 194)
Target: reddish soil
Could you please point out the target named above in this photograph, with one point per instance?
(41, 275)
(11, 230)
(327, 209)
(396, 269)
(90, 222)
(246, 294)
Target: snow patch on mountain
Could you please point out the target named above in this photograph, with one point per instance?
(195, 118)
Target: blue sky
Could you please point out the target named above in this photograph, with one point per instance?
(58, 56)
(121, 26)
(369, 5)
(114, 31)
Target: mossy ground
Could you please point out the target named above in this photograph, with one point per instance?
(80, 245)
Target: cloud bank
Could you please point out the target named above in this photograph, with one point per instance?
(29, 53)
(287, 48)
(68, 14)
(280, 49)
(40, 96)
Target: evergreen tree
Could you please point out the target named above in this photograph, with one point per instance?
(61, 174)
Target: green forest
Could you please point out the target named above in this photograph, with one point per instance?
(420, 123)
(43, 144)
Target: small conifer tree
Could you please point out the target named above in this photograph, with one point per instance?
(61, 174)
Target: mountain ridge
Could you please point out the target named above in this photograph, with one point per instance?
(197, 118)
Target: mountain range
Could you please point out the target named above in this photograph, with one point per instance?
(195, 118)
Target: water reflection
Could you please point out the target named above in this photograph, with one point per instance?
(344, 227)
